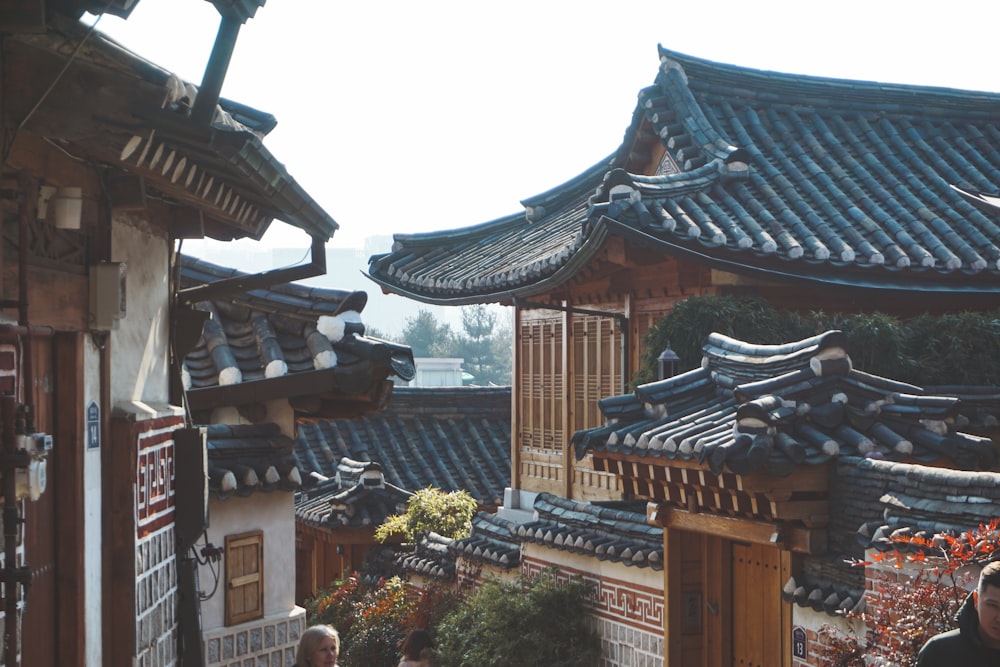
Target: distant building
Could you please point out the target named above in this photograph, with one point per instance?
(437, 372)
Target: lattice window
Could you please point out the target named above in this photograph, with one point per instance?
(244, 577)
(540, 390)
(597, 367)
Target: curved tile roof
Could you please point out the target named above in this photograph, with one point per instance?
(286, 341)
(357, 497)
(431, 558)
(919, 500)
(455, 438)
(797, 177)
(832, 598)
(523, 252)
(246, 458)
(777, 406)
(607, 531)
(135, 117)
(492, 541)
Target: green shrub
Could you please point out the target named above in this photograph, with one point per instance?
(951, 349)
(448, 514)
(529, 622)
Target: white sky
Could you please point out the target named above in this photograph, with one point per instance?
(406, 116)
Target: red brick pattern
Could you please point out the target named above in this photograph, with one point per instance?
(154, 495)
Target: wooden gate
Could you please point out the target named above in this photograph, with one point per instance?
(757, 608)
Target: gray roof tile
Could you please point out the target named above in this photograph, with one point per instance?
(449, 438)
(247, 458)
(775, 407)
(358, 496)
(801, 178)
(260, 338)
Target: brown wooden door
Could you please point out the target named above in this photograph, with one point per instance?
(757, 619)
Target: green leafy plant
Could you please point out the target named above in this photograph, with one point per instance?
(431, 509)
(928, 350)
(689, 323)
(530, 621)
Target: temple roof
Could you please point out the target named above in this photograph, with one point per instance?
(773, 407)
(453, 439)
(304, 344)
(789, 177)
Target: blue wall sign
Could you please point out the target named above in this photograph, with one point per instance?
(93, 425)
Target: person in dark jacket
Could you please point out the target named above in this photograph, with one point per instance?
(976, 640)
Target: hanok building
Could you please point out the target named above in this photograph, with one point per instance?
(269, 355)
(108, 162)
(758, 467)
(449, 438)
(811, 193)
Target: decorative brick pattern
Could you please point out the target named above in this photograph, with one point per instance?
(627, 617)
(267, 642)
(155, 476)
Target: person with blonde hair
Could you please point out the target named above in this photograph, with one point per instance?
(319, 646)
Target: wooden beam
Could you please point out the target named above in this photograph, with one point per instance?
(119, 540)
(68, 486)
(794, 538)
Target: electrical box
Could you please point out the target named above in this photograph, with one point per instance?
(107, 295)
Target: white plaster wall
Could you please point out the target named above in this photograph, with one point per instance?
(274, 514)
(810, 619)
(92, 586)
(601, 569)
(278, 412)
(140, 344)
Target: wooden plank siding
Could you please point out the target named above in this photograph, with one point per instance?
(42, 520)
(68, 487)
